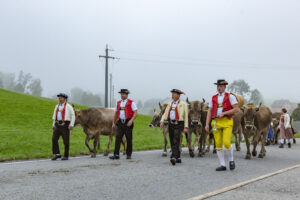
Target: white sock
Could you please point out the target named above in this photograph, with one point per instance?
(282, 141)
(220, 154)
(290, 140)
(230, 154)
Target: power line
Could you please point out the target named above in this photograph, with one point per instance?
(220, 65)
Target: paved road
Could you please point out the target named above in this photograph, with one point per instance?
(147, 176)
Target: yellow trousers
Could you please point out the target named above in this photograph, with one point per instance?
(222, 129)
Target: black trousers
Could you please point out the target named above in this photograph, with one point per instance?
(175, 131)
(64, 132)
(122, 129)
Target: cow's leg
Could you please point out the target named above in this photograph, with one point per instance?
(248, 154)
(197, 138)
(240, 139)
(191, 148)
(165, 133)
(215, 148)
(203, 143)
(110, 138)
(263, 142)
(255, 141)
(87, 140)
(96, 142)
(209, 142)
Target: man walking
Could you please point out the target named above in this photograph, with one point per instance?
(125, 114)
(63, 123)
(176, 113)
(221, 109)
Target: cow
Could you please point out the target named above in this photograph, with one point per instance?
(237, 129)
(210, 135)
(96, 122)
(275, 126)
(156, 123)
(256, 122)
(196, 127)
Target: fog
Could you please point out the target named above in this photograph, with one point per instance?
(161, 45)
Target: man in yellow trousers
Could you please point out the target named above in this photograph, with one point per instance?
(222, 107)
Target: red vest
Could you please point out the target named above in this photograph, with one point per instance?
(127, 109)
(176, 112)
(63, 112)
(226, 105)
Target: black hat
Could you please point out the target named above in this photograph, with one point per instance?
(177, 91)
(62, 95)
(126, 91)
(221, 82)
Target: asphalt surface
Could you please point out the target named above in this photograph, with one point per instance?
(150, 176)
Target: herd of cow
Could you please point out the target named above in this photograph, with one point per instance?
(251, 121)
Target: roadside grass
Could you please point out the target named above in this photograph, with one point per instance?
(26, 129)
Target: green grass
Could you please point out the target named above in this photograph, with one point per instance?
(26, 129)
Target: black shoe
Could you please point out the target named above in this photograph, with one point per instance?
(178, 160)
(221, 168)
(128, 157)
(65, 158)
(281, 145)
(114, 157)
(231, 165)
(289, 145)
(55, 157)
(173, 161)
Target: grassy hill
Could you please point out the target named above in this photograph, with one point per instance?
(26, 129)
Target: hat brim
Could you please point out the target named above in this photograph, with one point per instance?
(221, 84)
(124, 92)
(62, 96)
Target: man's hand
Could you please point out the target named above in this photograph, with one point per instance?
(53, 128)
(185, 130)
(70, 128)
(129, 123)
(221, 115)
(113, 125)
(161, 124)
(207, 128)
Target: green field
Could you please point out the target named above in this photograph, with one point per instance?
(26, 129)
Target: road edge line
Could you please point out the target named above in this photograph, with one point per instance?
(229, 188)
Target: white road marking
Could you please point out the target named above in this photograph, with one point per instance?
(226, 189)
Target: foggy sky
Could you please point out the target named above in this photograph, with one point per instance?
(161, 44)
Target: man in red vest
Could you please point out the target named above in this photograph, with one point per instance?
(63, 123)
(125, 114)
(176, 114)
(221, 109)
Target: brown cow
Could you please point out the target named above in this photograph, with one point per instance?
(195, 126)
(275, 126)
(256, 123)
(237, 129)
(211, 137)
(96, 122)
(156, 123)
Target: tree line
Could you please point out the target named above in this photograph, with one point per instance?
(23, 83)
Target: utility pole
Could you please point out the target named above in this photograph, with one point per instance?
(106, 73)
(110, 90)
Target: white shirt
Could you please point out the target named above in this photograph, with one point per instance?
(221, 96)
(122, 105)
(60, 108)
(69, 114)
(172, 112)
(287, 119)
